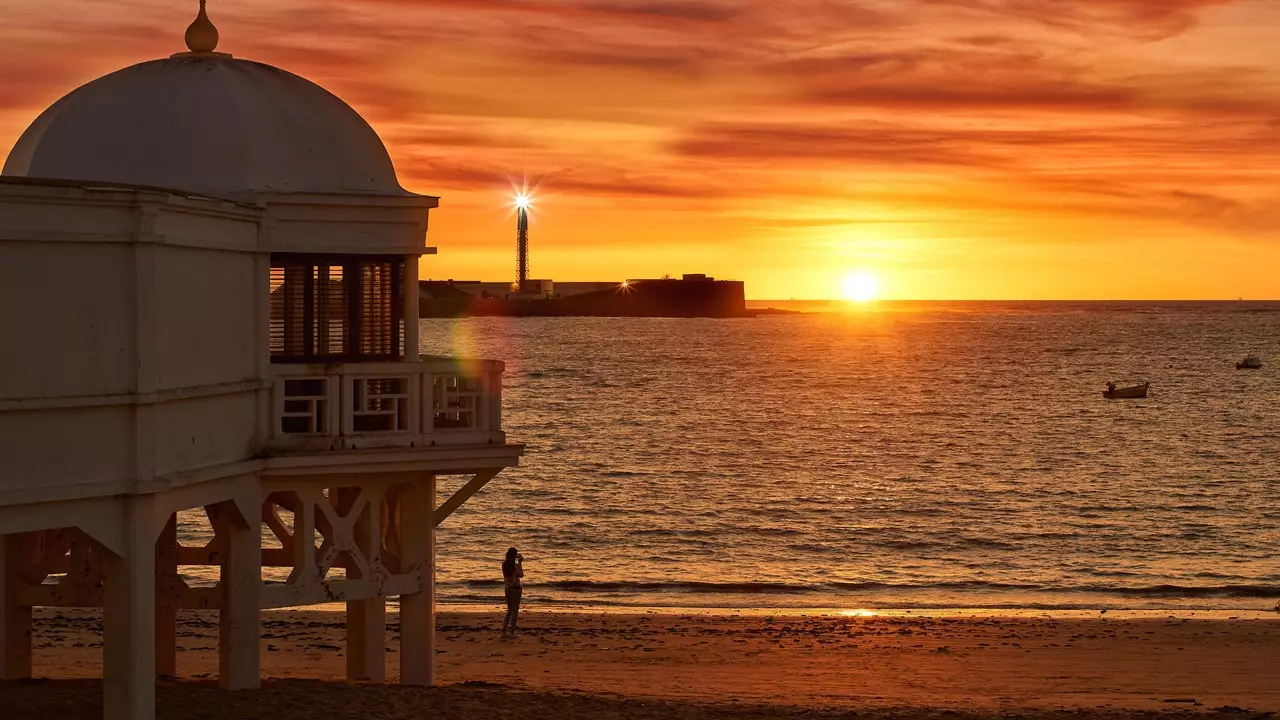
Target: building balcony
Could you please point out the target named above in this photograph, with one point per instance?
(433, 402)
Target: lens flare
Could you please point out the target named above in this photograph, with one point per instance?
(524, 195)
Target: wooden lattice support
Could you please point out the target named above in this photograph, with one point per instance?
(27, 559)
(347, 518)
(353, 538)
(379, 530)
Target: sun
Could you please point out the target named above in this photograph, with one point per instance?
(861, 287)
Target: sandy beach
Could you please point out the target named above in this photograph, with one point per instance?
(702, 665)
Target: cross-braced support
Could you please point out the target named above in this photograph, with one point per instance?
(380, 529)
(124, 555)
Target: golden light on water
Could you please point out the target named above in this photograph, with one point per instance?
(861, 287)
(859, 612)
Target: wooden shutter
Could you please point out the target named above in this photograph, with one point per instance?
(380, 308)
(288, 309)
(336, 308)
(332, 316)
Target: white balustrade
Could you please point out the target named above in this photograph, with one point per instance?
(456, 401)
(378, 404)
(436, 401)
(304, 405)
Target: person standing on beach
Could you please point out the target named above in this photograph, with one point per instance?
(512, 572)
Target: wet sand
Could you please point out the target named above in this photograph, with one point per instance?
(663, 665)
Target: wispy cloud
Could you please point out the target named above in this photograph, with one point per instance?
(1156, 18)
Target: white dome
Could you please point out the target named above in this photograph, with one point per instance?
(209, 124)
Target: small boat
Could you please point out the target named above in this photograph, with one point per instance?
(1123, 393)
(1250, 362)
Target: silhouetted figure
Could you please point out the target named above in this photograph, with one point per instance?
(512, 572)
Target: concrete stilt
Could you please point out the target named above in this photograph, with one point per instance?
(15, 619)
(166, 615)
(366, 639)
(239, 623)
(418, 610)
(128, 615)
(367, 618)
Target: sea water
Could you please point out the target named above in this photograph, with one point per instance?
(900, 455)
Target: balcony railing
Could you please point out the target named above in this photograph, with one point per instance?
(352, 406)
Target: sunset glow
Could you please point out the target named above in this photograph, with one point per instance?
(987, 149)
(949, 323)
(861, 287)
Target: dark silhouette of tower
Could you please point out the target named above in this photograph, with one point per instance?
(522, 246)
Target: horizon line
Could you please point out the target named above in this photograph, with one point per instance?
(1025, 300)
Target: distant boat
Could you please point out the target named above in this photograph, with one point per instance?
(1250, 362)
(1121, 393)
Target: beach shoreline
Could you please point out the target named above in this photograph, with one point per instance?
(820, 663)
(1060, 613)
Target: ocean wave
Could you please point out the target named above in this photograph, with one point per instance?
(950, 543)
(977, 586)
(1221, 591)
(809, 449)
(624, 586)
(553, 372)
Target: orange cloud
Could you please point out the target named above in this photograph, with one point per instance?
(1150, 17)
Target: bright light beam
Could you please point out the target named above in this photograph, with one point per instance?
(523, 195)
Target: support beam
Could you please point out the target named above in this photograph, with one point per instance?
(366, 618)
(239, 623)
(304, 548)
(463, 494)
(411, 351)
(166, 599)
(367, 639)
(15, 619)
(128, 616)
(418, 610)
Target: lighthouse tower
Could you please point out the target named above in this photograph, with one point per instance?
(522, 244)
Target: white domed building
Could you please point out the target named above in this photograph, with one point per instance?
(208, 289)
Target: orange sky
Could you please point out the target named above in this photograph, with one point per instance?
(953, 148)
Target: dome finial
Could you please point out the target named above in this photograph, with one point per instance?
(202, 36)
